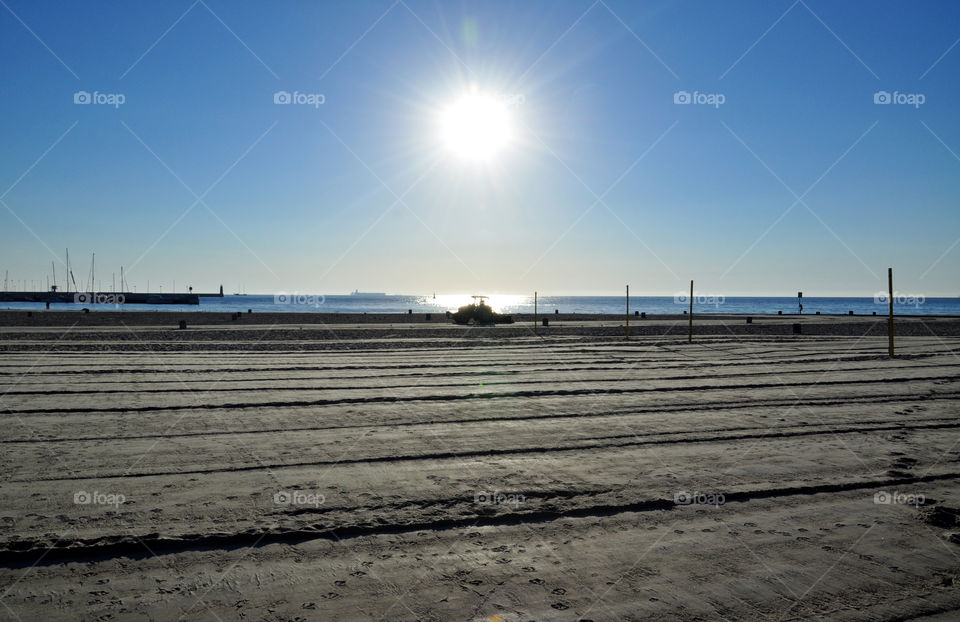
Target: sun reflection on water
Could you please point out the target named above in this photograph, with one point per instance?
(501, 303)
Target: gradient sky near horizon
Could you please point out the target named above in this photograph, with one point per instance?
(797, 181)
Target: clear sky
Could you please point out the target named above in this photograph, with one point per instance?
(782, 174)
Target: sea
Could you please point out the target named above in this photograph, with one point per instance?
(656, 305)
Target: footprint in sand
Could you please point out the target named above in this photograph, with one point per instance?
(560, 606)
(905, 463)
(559, 591)
(536, 581)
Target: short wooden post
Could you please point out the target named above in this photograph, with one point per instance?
(628, 313)
(890, 287)
(690, 325)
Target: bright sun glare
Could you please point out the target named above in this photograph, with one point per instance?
(476, 126)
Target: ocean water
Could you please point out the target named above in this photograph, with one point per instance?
(310, 303)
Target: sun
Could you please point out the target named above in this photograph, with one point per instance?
(476, 126)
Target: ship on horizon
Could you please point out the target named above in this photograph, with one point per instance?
(357, 292)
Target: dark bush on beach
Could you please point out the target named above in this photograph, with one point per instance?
(480, 313)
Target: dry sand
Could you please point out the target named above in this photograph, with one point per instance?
(342, 471)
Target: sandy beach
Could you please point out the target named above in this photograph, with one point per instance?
(301, 467)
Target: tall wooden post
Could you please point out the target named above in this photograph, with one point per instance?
(890, 321)
(690, 325)
(628, 312)
(534, 313)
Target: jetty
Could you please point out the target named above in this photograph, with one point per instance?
(110, 298)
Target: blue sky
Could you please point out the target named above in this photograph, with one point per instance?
(798, 180)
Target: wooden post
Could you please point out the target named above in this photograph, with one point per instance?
(890, 287)
(534, 313)
(628, 313)
(690, 325)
